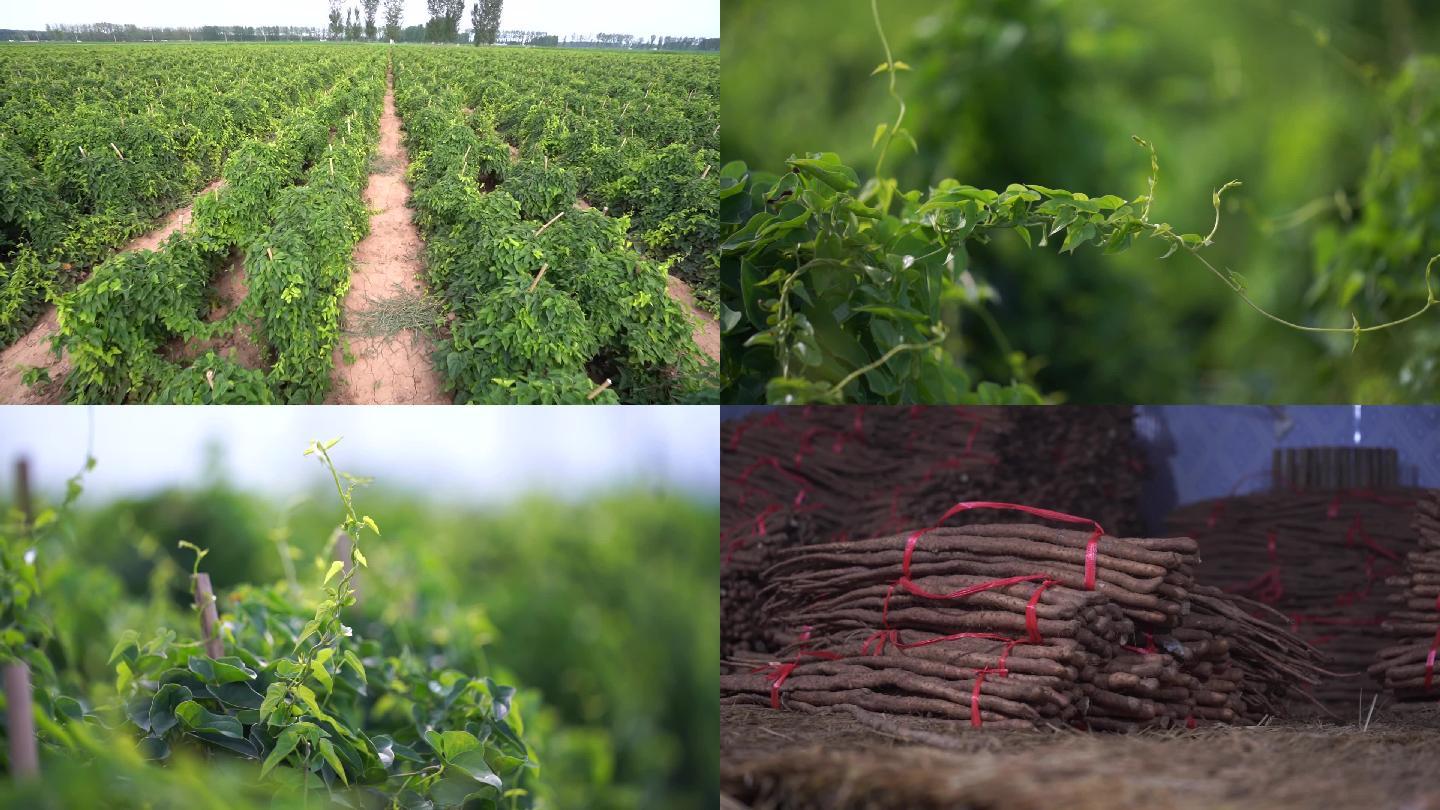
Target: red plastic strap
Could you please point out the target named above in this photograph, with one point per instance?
(998, 669)
(782, 671)
(975, 698)
(1430, 661)
(1032, 623)
(760, 531)
(770, 461)
(1092, 547)
(909, 585)
(1148, 649)
(1268, 587)
(880, 638)
(1190, 721)
(771, 419)
(1357, 530)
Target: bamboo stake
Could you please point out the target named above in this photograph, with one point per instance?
(19, 715)
(209, 618)
(599, 390)
(20, 723)
(548, 224)
(343, 547)
(538, 275)
(22, 491)
(117, 150)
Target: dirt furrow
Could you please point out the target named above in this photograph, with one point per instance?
(33, 350)
(706, 330)
(385, 356)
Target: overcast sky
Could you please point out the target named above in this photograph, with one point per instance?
(455, 452)
(685, 18)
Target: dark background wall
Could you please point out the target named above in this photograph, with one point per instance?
(1209, 451)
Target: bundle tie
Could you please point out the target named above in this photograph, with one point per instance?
(782, 671)
(1032, 623)
(1092, 546)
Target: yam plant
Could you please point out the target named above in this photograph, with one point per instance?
(839, 287)
(274, 682)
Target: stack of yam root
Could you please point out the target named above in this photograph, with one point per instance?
(803, 476)
(1015, 625)
(1324, 561)
(1407, 667)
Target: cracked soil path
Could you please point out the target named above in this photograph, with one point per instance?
(392, 369)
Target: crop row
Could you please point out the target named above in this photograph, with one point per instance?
(291, 211)
(95, 144)
(635, 134)
(546, 296)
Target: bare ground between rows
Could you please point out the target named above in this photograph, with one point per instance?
(785, 759)
(229, 290)
(385, 367)
(33, 350)
(705, 330)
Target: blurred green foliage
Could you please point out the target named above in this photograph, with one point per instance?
(1328, 112)
(602, 611)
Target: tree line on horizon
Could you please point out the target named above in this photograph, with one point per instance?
(363, 23)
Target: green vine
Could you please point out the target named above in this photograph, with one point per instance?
(836, 291)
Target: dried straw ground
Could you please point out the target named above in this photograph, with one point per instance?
(785, 759)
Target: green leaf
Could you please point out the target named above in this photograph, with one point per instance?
(880, 130)
(327, 750)
(163, 705)
(309, 630)
(353, 661)
(239, 695)
(307, 697)
(127, 641)
(322, 675)
(360, 557)
(458, 742)
(284, 744)
(198, 718)
(368, 522)
(474, 765)
(226, 670)
(827, 168)
(335, 568)
(274, 697)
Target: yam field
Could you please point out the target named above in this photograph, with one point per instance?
(357, 224)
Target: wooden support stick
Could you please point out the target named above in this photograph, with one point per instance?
(22, 492)
(548, 224)
(209, 618)
(599, 390)
(20, 722)
(117, 150)
(705, 173)
(534, 283)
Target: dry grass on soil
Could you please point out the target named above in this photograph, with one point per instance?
(785, 759)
